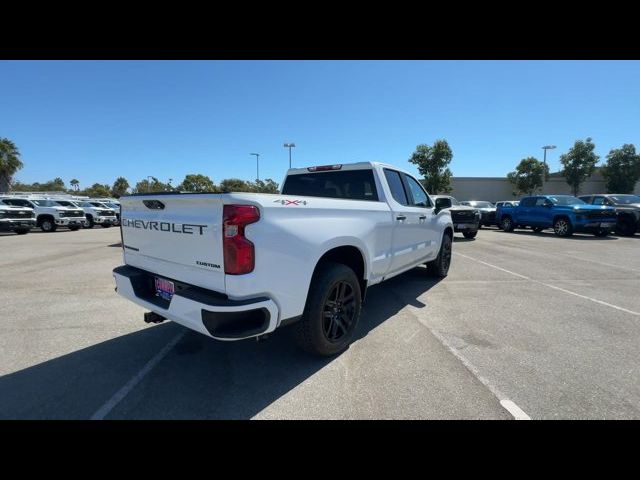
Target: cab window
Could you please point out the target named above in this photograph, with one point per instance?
(417, 193)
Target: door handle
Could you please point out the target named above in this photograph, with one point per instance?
(422, 217)
(401, 217)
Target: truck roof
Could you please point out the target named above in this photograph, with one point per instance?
(343, 166)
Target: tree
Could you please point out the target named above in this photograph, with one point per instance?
(622, 170)
(267, 186)
(120, 187)
(234, 185)
(75, 184)
(10, 163)
(528, 176)
(97, 191)
(197, 183)
(579, 163)
(432, 164)
(154, 185)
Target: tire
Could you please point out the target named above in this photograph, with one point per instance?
(22, 231)
(470, 234)
(507, 224)
(74, 229)
(562, 227)
(90, 223)
(601, 233)
(440, 266)
(626, 228)
(537, 229)
(48, 225)
(327, 325)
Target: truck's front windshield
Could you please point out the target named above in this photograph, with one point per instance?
(566, 200)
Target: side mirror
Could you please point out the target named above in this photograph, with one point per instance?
(442, 203)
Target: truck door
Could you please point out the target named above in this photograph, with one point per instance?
(525, 211)
(406, 236)
(425, 234)
(541, 213)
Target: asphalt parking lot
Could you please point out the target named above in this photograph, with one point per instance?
(525, 325)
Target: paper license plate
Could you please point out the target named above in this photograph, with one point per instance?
(164, 288)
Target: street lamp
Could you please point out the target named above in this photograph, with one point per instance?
(545, 148)
(149, 177)
(289, 146)
(257, 170)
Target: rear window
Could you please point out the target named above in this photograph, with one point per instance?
(528, 202)
(346, 184)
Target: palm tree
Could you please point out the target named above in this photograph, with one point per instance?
(75, 184)
(9, 163)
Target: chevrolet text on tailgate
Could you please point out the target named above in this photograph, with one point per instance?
(239, 265)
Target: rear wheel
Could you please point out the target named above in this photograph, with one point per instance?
(470, 234)
(331, 312)
(562, 227)
(440, 266)
(507, 224)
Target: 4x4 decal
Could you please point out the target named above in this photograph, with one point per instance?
(291, 202)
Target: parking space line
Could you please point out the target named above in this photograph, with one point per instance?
(516, 412)
(601, 263)
(564, 290)
(105, 409)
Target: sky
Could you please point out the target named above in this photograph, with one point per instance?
(97, 120)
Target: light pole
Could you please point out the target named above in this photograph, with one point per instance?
(289, 146)
(545, 148)
(149, 177)
(257, 168)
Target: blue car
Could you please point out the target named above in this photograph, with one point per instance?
(564, 213)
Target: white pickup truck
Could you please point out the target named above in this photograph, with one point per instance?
(240, 265)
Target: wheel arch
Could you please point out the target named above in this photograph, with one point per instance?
(350, 256)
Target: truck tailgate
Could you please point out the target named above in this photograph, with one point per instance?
(178, 236)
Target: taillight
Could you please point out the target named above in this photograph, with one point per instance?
(239, 254)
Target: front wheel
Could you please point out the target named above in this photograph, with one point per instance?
(47, 225)
(331, 312)
(562, 227)
(470, 234)
(89, 223)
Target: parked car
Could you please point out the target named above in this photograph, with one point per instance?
(16, 219)
(115, 206)
(487, 211)
(565, 213)
(627, 207)
(465, 219)
(239, 265)
(96, 213)
(508, 203)
(49, 215)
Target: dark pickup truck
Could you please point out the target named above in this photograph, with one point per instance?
(627, 207)
(564, 213)
(465, 219)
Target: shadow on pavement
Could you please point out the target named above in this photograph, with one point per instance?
(199, 378)
(550, 234)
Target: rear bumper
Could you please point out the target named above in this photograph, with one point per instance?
(205, 311)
